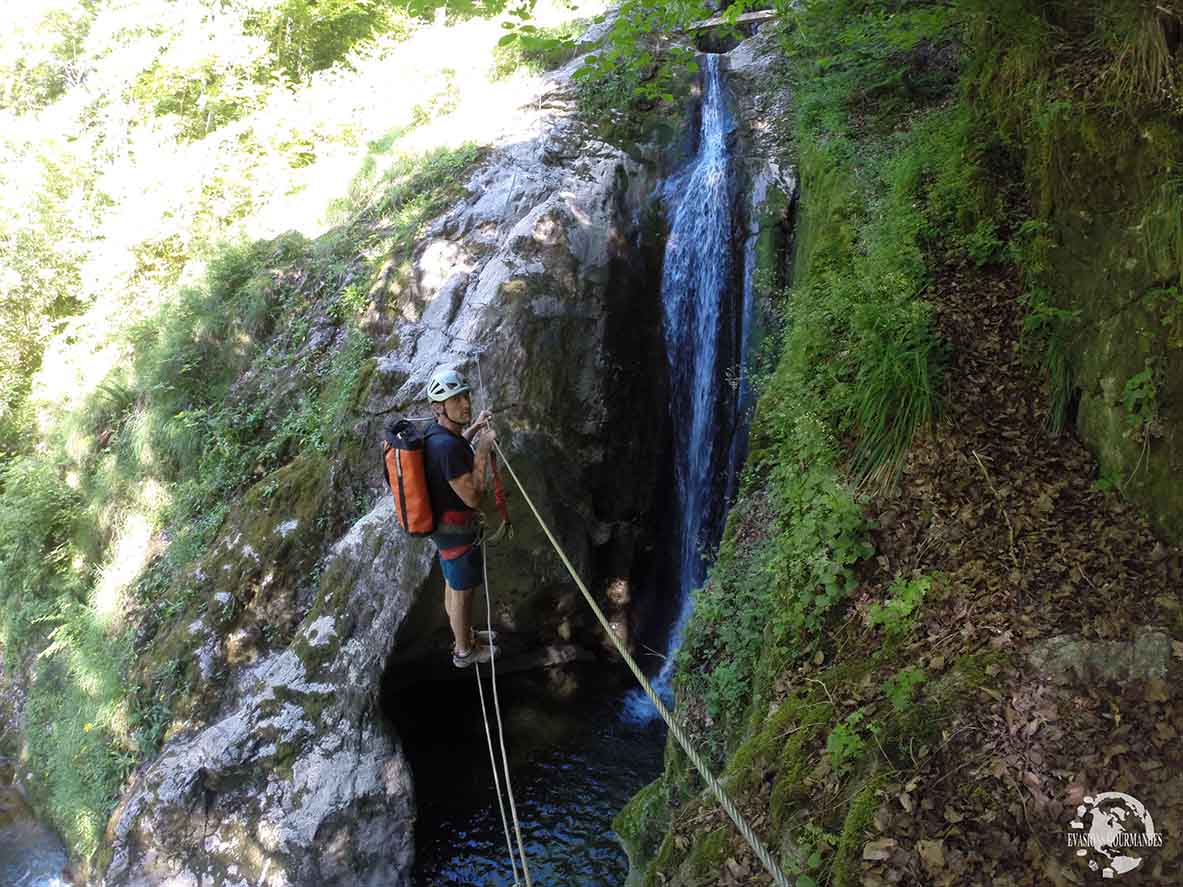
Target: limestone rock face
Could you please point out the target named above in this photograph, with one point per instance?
(296, 782)
(757, 79)
(539, 287)
(288, 774)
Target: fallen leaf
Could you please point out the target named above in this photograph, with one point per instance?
(879, 849)
(1118, 748)
(932, 854)
(1074, 794)
(1156, 690)
(905, 800)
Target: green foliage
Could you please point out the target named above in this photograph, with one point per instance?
(815, 844)
(303, 36)
(1160, 223)
(897, 614)
(39, 50)
(870, 55)
(38, 513)
(538, 48)
(41, 250)
(847, 740)
(1167, 301)
(1047, 330)
(642, 68)
(901, 687)
(983, 244)
(75, 726)
(1140, 399)
(781, 591)
(399, 192)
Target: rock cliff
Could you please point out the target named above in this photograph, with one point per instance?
(285, 772)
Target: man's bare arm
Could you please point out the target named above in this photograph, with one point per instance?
(472, 486)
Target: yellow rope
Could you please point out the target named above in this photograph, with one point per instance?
(725, 802)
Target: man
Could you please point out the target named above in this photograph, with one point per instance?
(456, 481)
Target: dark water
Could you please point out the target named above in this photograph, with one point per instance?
(574, 764)
(30, 854)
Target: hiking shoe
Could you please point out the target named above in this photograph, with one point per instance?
(484, 637)
(478, 653)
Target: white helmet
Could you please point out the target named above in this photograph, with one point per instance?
(445, 383)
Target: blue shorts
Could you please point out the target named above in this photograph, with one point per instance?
(465, 571)
(461, 558)
(457, 538)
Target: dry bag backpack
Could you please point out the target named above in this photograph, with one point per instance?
(403, 453)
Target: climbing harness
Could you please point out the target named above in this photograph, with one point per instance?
(716, 789)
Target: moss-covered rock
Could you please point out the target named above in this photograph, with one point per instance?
(295, 747)
(642, 824)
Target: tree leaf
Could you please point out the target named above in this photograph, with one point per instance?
(875, 851)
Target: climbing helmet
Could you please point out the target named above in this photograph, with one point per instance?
(445, 383)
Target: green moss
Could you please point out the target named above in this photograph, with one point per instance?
(789, 789)
(662, 862)
(708, 854)
(770, 243)
(513, 290)
(847, 870)
(971, 672)
(642, 823)
(797, 715)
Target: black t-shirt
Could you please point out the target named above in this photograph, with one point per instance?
(447, 457)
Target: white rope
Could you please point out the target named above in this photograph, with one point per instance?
(497, 708)
(513, 809)
(725, 802)
(496, 778)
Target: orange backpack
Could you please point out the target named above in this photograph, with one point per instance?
(403, 453)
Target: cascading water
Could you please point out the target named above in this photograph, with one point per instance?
(578, 760)
(700, 324)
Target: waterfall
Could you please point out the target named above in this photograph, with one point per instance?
(703, 339)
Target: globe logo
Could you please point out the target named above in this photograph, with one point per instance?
(1112, 829)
